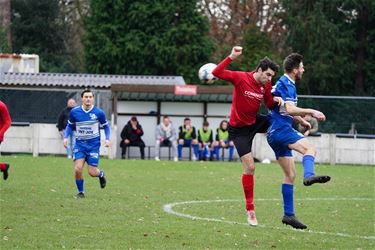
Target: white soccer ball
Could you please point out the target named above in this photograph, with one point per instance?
(205, 73)
(266, 161)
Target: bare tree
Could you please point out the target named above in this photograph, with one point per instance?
(229, 19)
(5, 21)
(72, 13)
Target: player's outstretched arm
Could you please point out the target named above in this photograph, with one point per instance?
(221, 72)
(296, 111)
(107, 133)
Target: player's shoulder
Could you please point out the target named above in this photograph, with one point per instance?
(97, 110)
(76, 109)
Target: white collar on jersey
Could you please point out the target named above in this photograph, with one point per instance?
(290, 79)
(86, 111)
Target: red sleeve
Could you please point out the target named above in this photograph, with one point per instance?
(268, 98)
(5, 120)
(222, 73)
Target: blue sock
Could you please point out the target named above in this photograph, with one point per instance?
(287, 190)
(217, 152)
(211, 155)
(308, 165)
(79, 184)
(205, 151)
(200, 154)
(101, 174)
(179, 151)
(231, 150)
(196, 150)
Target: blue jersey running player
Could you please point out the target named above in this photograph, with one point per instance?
(87, 120)
(283, 138)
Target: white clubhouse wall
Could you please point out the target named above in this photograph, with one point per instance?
(45, 139)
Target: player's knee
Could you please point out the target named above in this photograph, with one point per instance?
(93, 172)
(250, 168)
(181, 141)
(290, 177)
(78, 169)
(310, 150)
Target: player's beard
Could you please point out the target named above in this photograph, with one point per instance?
(299, 76)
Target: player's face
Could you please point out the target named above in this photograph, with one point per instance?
(266, 76)
(299, 71)
(224, 126)
(88, 99)
(166, 122)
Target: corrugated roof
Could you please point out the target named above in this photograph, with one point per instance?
(83, 80)
(170, 97)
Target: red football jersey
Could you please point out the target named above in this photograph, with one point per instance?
(5, 120)
(247, 94)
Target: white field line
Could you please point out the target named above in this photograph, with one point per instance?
(168, 208)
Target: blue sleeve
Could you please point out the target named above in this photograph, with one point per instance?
(69, 126)
(285, 91)
(68, 130)
(103, 121)
(107, 131)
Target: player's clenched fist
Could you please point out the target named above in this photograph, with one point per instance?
(319, 115)
(236, 51)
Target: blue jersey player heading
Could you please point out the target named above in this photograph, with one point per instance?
(87, 119)
(283, 138)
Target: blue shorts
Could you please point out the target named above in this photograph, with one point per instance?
(88, 152)
(280, 138)
(187, 143)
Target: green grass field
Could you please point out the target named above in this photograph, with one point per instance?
(38, 208)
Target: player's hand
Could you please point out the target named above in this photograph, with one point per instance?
(278, 100)
(106, 143)
(126, 141)
(305, 124)
(319, 115)
(236, 51)
(307, 133)
(65, 142)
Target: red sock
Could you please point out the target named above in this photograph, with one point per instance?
(248, 188)
(3, 167)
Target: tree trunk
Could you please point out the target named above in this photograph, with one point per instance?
(5, 21)
(360, 53)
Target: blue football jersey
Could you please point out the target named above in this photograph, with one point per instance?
(87, 124)
(286, 89)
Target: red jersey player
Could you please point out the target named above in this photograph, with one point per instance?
(5, 122)
(250, 88)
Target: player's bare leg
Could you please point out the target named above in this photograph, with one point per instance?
(287, 189)
(308, 151)
(248, 187)
(78, 167)
(95, 172)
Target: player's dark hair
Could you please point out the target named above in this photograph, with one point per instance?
(221, 124)
(205, 123)
(267, 63)
(87, 91)
(165, 117)
(187, 119)
(292, 62)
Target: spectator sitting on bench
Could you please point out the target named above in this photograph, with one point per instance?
(205, 140)
(166, 135)
(314, 126)
(222, 141)
(187, 137)
(131, 136)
